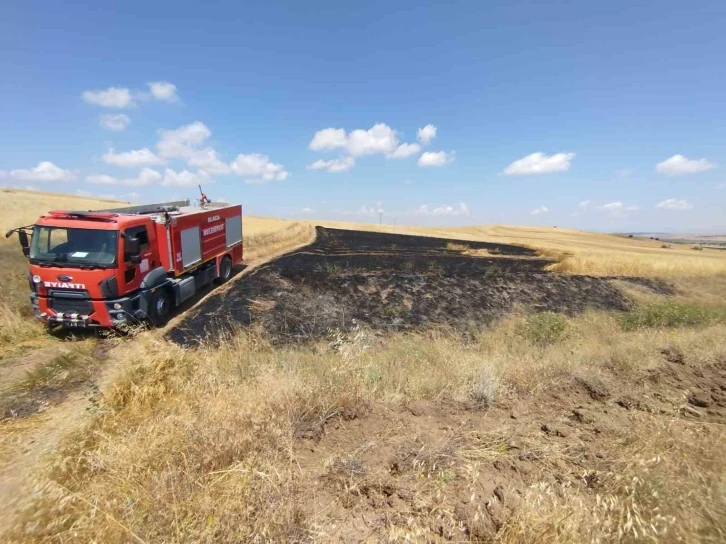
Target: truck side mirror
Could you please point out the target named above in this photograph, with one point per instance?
(132, 248)
(24, 243)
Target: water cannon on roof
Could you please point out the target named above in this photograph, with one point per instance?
(203, 199)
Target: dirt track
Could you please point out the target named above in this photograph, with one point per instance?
(390, 282)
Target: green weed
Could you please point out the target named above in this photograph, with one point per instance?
(669, 314)
(544, 328)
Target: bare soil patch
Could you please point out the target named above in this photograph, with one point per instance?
(447, 471)
(392, 282)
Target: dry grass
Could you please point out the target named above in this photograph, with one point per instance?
(577, 252)
(265, 236)
(667, 482)
(195, 446)
(18, 208)
(199, 445)
(580, 252)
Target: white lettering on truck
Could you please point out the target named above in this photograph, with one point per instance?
(212, 218)
(64, 285)
(212, 230)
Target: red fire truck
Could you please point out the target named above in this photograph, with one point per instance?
(109, 268)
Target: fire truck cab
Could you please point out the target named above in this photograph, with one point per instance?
(109, 268)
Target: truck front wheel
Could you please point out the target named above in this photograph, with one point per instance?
(159, 308)
(225, 269)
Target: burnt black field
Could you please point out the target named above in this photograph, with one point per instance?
(389, 282)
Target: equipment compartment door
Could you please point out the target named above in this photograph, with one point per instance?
(190, 246)
(233, 230)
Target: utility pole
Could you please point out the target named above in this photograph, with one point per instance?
(380, 217)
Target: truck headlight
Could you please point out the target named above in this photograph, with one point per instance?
(117, 306)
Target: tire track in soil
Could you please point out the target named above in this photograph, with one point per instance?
(43, 421)
(389, 282)
(35, 424)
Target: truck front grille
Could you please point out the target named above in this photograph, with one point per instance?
(71, 302)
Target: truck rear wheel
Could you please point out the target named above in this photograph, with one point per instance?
(225, 269)
(159, 308)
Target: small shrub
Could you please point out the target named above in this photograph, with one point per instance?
(669, 314)
(484, 387)
(451, 246)
(543, 328)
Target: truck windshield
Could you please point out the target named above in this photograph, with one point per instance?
(74, 247)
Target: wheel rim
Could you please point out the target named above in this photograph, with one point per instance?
(161, 306)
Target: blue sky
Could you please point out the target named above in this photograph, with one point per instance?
(607, 116)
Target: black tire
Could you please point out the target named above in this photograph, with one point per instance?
(159, 308)
(225, 269)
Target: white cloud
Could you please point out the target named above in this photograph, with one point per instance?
(674, 204)
(678, 164)
(183, 142)
(257, 168)
(185, 178)
(335, 165)
(207, 159)
(435, 158)
(616, 208)
(446, 209)
(584, 204)
(132, 159)
(102, 179)
(115, 122)
(113, 97)
(328, 138)
(164, 91)
(537, 211)
(404, 151)
(370, 211)
(426, 134)
(307, 210)
(539, 163)
(379, 139)
(147, 176)
(45, 171)
(178, 142)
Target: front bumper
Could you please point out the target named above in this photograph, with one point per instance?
(105, 314)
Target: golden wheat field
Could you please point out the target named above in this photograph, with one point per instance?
(594, 426)
(576, 252)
